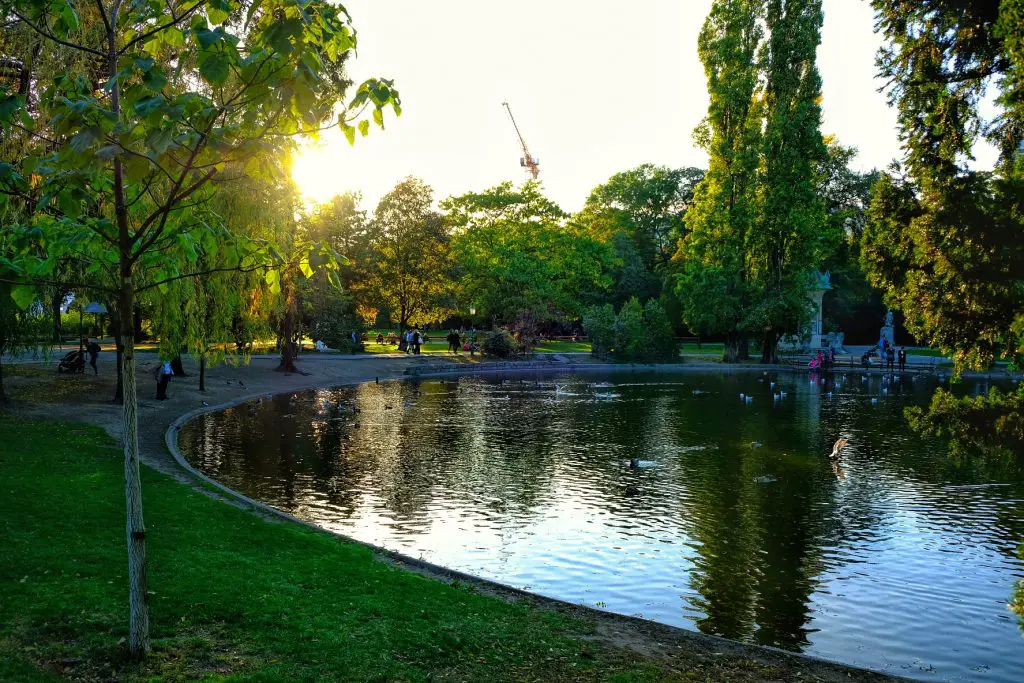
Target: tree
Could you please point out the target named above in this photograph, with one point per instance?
(517, 257)
(943, 240)
(648, 204)
(410, 271)
(789, 238)
(639, 333)
(714, 279)
(117, 159)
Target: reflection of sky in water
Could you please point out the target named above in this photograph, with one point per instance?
(898, 560)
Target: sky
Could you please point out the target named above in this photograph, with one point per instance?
(596, 87)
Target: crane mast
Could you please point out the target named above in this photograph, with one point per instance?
(531, 165)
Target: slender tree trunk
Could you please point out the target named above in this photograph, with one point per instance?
(202, 373)
(58, 299)
(138, 596)
(287, 363)
(744, 348)
(769, 352)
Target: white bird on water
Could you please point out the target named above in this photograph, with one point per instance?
(837, 448)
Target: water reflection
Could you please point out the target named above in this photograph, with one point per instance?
(735, 522)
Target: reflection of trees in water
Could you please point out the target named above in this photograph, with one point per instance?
(761, 549)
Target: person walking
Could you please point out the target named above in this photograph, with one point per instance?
(903, 358)
(163, 378)
(94, 353)
(417, 339)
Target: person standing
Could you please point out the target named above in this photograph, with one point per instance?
(903, 358)
(94, 353)
(417, 339)
(163, 378)
(890, 353)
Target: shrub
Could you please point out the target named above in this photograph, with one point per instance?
(499, 344)
(637, 334)
(334, 325)
(599, 326)
(662, 344)
(630, 335)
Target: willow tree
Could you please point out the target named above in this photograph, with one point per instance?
(714, 285)
(122, 155)
(946, 241)
(789, 236)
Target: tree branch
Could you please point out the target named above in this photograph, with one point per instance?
(200, 273)
(43, 32)
(174, 20)
(36, 282)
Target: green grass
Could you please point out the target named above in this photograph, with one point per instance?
(235, 597)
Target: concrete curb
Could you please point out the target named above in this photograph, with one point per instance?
(444, 573)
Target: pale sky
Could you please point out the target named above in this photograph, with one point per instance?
(596, 87)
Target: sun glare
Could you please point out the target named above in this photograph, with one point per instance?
(317, 172)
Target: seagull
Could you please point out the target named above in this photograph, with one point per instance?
(837, 448)
(205, 403)
(755, 444)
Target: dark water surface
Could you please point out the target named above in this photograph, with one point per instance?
(735, 524)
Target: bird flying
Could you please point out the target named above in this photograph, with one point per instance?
(837, 447)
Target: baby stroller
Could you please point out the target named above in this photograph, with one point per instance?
(73, 362)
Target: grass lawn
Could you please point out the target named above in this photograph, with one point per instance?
(235, 597)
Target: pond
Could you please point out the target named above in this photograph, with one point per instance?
(734, 522)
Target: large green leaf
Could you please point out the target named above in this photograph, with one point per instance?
(23, 295)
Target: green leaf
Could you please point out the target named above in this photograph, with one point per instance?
(173, 37)
(364, 127)
(107, 152)
(306, 269)
(214, 67)
(9, 104)
(23, 296)
(378, 117)
(350, 133)
(69, 206)
(147, 105)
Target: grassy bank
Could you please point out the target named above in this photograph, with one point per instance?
(235, 596)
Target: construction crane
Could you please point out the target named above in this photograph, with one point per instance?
(531, 165)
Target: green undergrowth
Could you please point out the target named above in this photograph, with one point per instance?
(236, 597)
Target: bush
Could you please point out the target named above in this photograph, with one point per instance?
(334, 325)
(599, 326)
(662, 344)
(637, 334)
(499, 344)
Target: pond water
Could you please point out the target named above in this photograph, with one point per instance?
(735, 523)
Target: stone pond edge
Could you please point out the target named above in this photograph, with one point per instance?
(440, 572)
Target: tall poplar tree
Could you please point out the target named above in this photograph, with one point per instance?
(714, 284)
(789, 239)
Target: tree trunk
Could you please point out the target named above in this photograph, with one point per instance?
(731, 353)
(135, 529)
(138, 596)
(744, 348)
(58, 299)
(202, 373)
(3, 394)
(177, 367)
(287, 363)
(769, 352)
